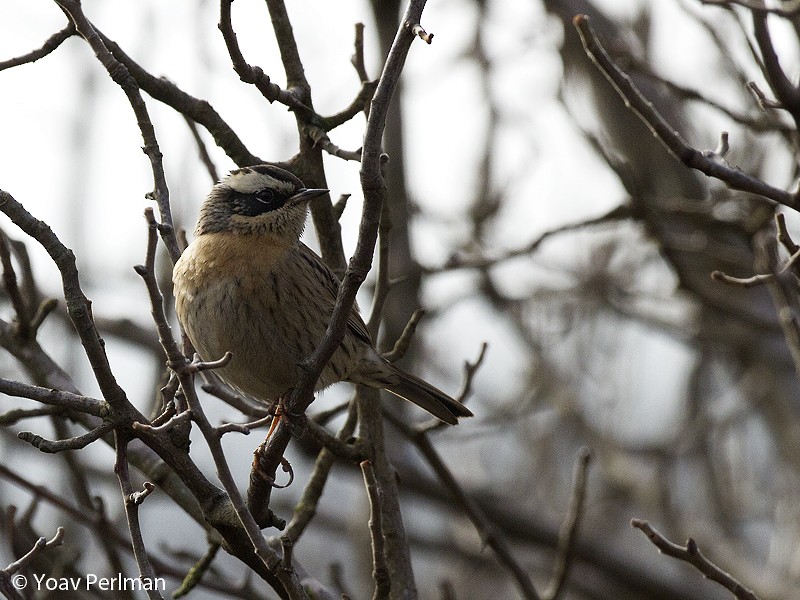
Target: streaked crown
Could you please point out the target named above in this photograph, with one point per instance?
(259, 199)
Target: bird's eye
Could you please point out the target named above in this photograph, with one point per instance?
(265, 196)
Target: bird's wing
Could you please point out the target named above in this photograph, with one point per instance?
(331, 284)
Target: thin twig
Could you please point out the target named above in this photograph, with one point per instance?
(380, 572)
(255, 75)
(357, 59)
(58, 398)
(783, 234)
(306, 508)
(671, 139)
(382, 283)
(196, 573)
(485, 528)
(690, 553)
(569, 528)
(73, 443)
(205, 157)
(119, 74)
(78, 305)
(402, 344)
(53, 42)
(23, 321)
(40, 545)
(131, 503)
(18, 414)
(759, 278)
(786, 92)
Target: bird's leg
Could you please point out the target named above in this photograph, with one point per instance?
(296, 424)
(276, 410)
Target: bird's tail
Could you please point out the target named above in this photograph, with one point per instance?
(426, 396)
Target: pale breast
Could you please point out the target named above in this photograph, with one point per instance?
(269, 304)
(225, 302)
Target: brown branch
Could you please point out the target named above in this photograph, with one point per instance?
(671, 139)
(78, 306)
(402, 344)
(690, 553)
(119, 74)
(359, 104)
(786, 92)
(619, 213)
(197, 571)
(357, 60)
(420, 32)
(53, 42)
(569, 529)
(131, 501)
(255, 75)
(789, 9)
(205, 157)
(290, 55)
(58, 398)
(761, 97)
(382, 282)
(380, 572)
(783, 234)
(18, 414)
(23, 321)
(756, 123)
(41, 545)
(95, 521)
(759, 278)
(306, 508)
(73, 443)
(483, 525)
(340, 447)
(196, 109)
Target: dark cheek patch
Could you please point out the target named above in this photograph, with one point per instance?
(250, 205)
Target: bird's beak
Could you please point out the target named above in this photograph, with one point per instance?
(306, 194)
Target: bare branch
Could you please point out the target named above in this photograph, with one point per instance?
(255, 75)
(483, 525)
(671, 139)
(420, 32)
(569, 529)
(759, 278)
(120, 75)
(306, 508)
(78, 306)
(380, 572)
(690, 553)
(197, 571)
(23, 321)
(357, 59)
(74, 443)
(51, 44)
(131, 502)
(205, 157)
(41, 545)
(52, 397)
(787, 9)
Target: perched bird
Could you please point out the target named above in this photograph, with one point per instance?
(248, 285)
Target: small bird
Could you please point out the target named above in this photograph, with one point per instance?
(248, 285)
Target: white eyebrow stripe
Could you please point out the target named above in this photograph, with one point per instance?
(249, 182)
